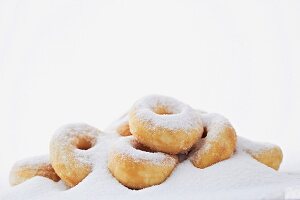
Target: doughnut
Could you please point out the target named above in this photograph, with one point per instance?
(30, 167)
(69, 152)
(164, 124)
(123, 129)
(218, 142)
(120, 126)
(265, 153)
(136, 167)
(123, 126)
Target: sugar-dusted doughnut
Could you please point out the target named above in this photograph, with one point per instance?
(266, 153)
(69, 152)
(218, 144)
(134, 166)
(165, 124)
(30, 167)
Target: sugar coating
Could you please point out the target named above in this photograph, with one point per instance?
(253, 147)
(213, 123)
(35, 160)
(32, 163)
(183, 117)
(124, 146)
(65, 134)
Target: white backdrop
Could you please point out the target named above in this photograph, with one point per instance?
(67, 61)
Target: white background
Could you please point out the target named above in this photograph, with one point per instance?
(67, 61)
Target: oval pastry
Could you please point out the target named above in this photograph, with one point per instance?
(30, 167)
(265, 153)
(135, 168)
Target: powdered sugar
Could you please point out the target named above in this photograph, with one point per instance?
(125, 147)
(240, 177)
(180, 116)
(213, 123)
(33, 163)
(42, 159)
(253, 147)
(65, 134)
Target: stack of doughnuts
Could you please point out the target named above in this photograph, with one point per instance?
(166, 126)
(156, 135)
(169, 127)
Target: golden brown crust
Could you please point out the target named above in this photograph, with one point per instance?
(124, 129)
(21, 173)
(162, 139)
(71, 170)
(136, 168)
(265, 153)
(272, 157)
(137, 174)
(209, 152)
(65, 146)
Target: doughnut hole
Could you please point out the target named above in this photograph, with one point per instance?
(204, 132)
(162, 110)
(83, 142)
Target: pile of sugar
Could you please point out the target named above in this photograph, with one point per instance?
(239, 177)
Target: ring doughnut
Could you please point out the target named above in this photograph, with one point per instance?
(30, 167)
(266, 153)
(136, 168)
(219, 143)
(165, 124)
(69, 152)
